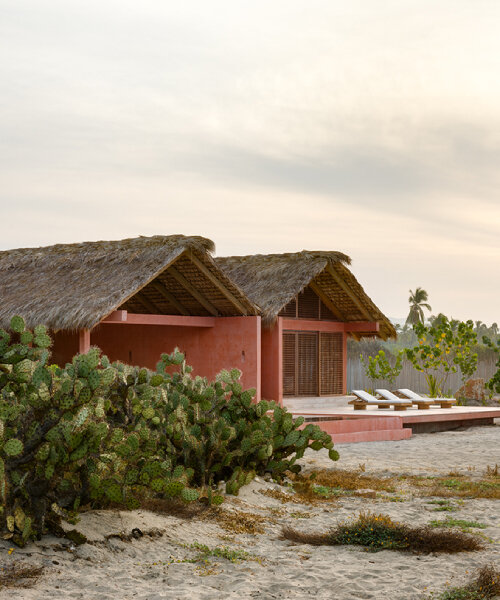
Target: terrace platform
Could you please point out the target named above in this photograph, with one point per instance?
(338, 418)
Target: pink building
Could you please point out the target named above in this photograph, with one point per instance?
(310, 304)
(283, 320)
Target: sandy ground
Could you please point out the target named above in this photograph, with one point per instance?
(152, 568)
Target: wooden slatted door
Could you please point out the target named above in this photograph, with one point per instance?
(307, 363)
(312, 363)
(300, 363)
(331, 363)
(289, 363)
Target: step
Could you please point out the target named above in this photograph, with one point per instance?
(382, 435)
(315, 402)
(365, 430)
(367, 424)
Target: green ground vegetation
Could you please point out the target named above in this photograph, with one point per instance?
(379, 532)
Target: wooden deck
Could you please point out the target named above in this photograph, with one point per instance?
(338, 418)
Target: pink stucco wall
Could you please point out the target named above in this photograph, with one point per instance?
(231, 342)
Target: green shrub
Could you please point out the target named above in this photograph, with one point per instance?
(379, 532)
(68, 437)
(484, 586)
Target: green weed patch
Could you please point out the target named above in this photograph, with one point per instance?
(378, 532)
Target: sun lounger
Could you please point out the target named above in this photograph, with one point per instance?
(422, 403)
(363, 399)
(444, 402)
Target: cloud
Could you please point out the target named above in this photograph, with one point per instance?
(266, 126)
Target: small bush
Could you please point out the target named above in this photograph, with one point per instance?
(379, 532)
(484, 586)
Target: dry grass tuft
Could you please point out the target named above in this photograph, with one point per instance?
(301, 537)
(328, 485)
(379, 532)
(459, 486)
(235, 521)
(279, 495)
(174, 507)
(19, 574)
(492, 471)
(345, 479)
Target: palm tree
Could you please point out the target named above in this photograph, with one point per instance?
(417, 302)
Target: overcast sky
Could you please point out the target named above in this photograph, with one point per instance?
(370, 127)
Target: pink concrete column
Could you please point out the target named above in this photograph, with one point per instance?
(344, 363)
(272, 362)
(83, 341)
(279, 333)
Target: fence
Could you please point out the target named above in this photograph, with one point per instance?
(410, 377)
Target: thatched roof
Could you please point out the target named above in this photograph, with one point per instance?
(273, 280)
(73, 286)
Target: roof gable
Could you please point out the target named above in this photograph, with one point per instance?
(272, 281)
(73, 286)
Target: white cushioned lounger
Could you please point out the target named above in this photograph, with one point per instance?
(422, 404)
(414, 397)
(363, 399)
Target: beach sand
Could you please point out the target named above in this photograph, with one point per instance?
(158, 566)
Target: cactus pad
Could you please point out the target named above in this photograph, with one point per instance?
(189, 495)
(13, 447)
(17, 324)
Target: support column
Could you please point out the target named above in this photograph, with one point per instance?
(344, 363)
(83, 341)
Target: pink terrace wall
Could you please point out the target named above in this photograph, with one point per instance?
(232, 342)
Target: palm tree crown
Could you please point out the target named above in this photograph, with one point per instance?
(417, 302)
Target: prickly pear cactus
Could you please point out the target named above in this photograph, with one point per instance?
(104, 434)
(218, 430)
(85, 433)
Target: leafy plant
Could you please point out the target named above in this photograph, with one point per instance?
(441, 350)
(494, 383)
(378, 367)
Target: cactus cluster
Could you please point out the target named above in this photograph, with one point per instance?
(95, 433)
(222, 434)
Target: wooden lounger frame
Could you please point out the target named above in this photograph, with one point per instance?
(443, 402)
(361, 405)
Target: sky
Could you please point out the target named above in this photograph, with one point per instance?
(372, 128)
